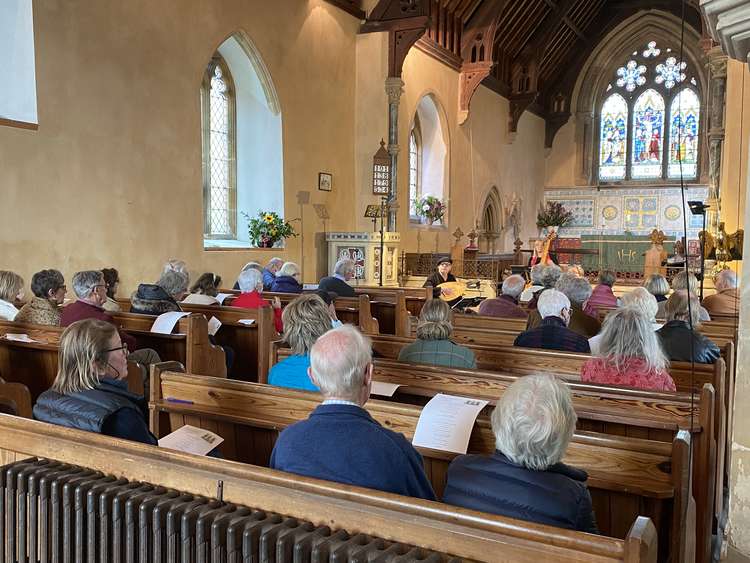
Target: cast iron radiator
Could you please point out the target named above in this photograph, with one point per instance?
(59, 513)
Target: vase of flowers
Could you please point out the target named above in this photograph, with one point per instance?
(430, 208)
(266, 229)
(552, 216)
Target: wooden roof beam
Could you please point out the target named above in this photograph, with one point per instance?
(353, 7)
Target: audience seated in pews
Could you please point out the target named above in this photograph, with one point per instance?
(251, 285)
(629, 354)
(525, 478)
(249, 266)
(343, 271)
(639, 299)
(658, 286)
(577, 290)
(305, 320)
(112, 279)
(680, 337)
(48, 287)
(11, 293)
(204, 290)
(506, 305)
(270, 271)
(553, 333)
(287, 279)
(602, 296)
(550, 275)
(726, 300)
(90, 391)
(685, 281)
(161, 297)
(340, 441)
(536, 283)
(433, 345)
(90, 289)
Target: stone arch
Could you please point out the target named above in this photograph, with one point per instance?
(492, 222)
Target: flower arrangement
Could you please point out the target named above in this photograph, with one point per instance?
(267, 228)
(553, 214)
(429, 207)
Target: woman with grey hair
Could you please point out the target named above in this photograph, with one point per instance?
(287, 279)
(639, 299)
(685, 281)
(162, 296)
(525, 478)
(11, 292)
(658, 286)
(48, 287)
(536, 283)
(630, 354)
(251, 285)
(548, 277)
(433, 345)
(305, 320)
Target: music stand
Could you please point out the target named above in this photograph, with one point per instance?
(373, 212)
(699, 208)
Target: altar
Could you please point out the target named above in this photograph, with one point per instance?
(364, 250)
(624, 254)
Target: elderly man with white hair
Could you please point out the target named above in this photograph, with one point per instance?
(726, 300)
(553, 333)
(525, 478)
(343, 271)
(251, 285)
(340, 441)
(506, 304)
(577, 290)
(270, 271)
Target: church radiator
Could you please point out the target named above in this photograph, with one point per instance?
(58, 513)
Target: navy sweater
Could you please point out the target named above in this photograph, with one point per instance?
(343, 443)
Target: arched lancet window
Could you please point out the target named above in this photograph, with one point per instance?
(219, 150)
(649, 120)
(415, 167)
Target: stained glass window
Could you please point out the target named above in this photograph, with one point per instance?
(684, 118)
(631, 76)
(613, 138)
(648, 135)
(414, 151)
(670, 72)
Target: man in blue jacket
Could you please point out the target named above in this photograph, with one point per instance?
(340, 441)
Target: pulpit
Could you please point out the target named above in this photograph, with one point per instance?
(364, 250)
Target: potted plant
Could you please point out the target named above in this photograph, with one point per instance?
(430, 208)
(267, 228)
(552, 216)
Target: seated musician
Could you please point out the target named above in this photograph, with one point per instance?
(11, 293)
(639, 299)
(602, 296)
(432, 345)
(160, 297)
(537, 256)
(506, 305)
(340, 441)
(343, 271)
(685, 281)
(726, 300)
(204, 290)
(305, 320)
(90, 390)
(441, 275)
(251, 284)
(536, 284)
(578, 291)
(629, 354)
(48, 287)
(680, 338)
(287, 279)
(112, 279)
(525, 478)
(553, 333)
(91, 291)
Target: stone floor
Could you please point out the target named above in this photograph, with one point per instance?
(734, 556)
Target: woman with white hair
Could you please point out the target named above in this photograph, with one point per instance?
(525, 478)
(248, 266)
(287, 279)
(658, 286)
(251, 285)
(11, 292)
(639, 299)
(630, 354)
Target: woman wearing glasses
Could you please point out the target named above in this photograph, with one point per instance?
(90, 390)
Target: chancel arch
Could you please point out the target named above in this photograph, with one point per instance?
(242, 142)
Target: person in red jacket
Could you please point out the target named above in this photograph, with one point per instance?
(251, 285)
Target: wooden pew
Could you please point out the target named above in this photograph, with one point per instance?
(15, 398)
(626, 475)
(464, 534)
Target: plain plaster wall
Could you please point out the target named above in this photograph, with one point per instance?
(113, 175)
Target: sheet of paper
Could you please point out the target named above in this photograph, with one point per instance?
(19, 337)
(384, 389)
(446, 423)
(246, 322)
(310, 286)
(191, 440)
(221, 296)
(214, 325)
(164, 323)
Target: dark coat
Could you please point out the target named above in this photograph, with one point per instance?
(676, 339)
(152, 299)
(286, 284)
(552, 334)
(337, 286)
(558, 496)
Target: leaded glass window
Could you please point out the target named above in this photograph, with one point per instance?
(648, 121)
(219, 152)
(415, 156)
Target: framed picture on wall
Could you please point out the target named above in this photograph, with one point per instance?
(325, 181)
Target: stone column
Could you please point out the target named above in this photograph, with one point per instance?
(717, 67)
(394, 87)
